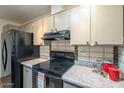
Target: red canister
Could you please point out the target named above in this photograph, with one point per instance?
(114, 73)
(106, 66)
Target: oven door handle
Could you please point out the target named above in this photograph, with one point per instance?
(53, 77)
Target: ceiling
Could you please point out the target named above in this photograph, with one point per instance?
(22, 13)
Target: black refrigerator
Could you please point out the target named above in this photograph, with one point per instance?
(17, 46)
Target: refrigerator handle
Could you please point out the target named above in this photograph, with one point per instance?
(6, 55)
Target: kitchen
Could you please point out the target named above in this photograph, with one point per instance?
(62, 46)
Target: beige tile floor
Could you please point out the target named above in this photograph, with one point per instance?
(5, 82)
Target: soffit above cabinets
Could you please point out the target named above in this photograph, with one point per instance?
(23, 13)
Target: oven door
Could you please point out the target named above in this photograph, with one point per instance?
(51, 81)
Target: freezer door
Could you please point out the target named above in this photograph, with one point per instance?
(6, 53)
(24, 44)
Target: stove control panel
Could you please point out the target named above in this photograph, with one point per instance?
(61, 54)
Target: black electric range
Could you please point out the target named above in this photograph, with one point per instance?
(55, 66)
(58, 64)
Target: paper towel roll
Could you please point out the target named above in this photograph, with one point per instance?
(122, 67)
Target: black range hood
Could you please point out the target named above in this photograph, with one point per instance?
(63, 34)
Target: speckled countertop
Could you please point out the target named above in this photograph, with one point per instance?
(84, 77)
(30, 63)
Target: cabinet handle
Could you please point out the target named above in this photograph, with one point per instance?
(87, 43)
(56, 30)
(52, 30)
(96, 43)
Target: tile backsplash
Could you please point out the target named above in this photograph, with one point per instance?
(121, 60)
(120, 55)
(95, 53)
(85, 53)
(62, 45)
(58, 45)
(44, 51)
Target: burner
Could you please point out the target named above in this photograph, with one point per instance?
(57, 69)
(63, 65)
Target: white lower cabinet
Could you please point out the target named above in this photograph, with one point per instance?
(68, 85)
(27, 77)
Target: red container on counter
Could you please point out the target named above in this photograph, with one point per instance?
(114, 73)
(106, 66)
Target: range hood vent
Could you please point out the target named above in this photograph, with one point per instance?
(63, 34)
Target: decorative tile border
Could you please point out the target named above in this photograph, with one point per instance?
(95, 53)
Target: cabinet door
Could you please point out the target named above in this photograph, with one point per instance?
(107, 24)
(48, 24)
(80, 25)
(68, 85)
(27, 77)
(38, 32)
(28, 28)
(62, 21)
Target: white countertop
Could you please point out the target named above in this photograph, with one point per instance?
(84, 77)
(30, 63)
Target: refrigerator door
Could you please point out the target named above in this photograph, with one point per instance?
(6, 53)
(23, 50)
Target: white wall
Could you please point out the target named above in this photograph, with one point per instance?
(3, 23)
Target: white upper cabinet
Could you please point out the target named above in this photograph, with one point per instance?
(106, 24)
(62, 21)
(80, 25)
(37, 28)
(48, 24)
(27, 27)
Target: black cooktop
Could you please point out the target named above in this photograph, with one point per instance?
(58, 64)
(55, 66)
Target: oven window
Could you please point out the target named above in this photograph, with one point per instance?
(53, 83)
